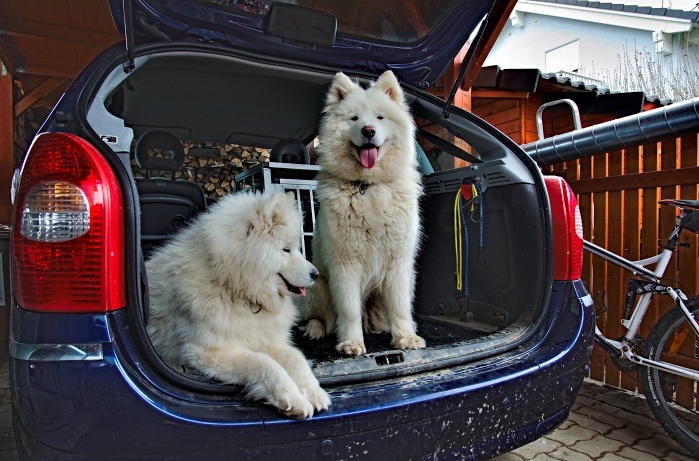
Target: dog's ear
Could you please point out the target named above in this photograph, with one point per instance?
(388, 84)
(268, 215)
(263, 223)
(340, 87)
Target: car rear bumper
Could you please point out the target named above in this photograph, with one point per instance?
(108, 408)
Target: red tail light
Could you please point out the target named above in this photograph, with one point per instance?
(68, 229)
(567, 230)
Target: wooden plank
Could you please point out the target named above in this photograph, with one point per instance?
(669, 152)
(504, 117)
(91, 15)
(41, 11)
(687, 256)
(6, 144)
(50, 70)
(599, 267)
(522, 122)
(615, 285)
(649, 229)
(494, 106)
(24, 29)
(510, 128)
(39, 92)
(688, 261)
(585, 203)
(500, 94)
(667, 217)
(664, 178)
(631, 239)
(462, 98)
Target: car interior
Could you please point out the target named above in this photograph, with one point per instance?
(178, 97)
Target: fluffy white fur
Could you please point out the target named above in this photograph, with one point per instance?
(367, 230)
(221, 300)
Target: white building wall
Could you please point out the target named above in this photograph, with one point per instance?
(617, 50)
(601, 46)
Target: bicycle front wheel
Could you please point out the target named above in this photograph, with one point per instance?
(673, 399)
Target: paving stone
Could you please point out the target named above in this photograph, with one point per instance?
(542, 446)
(566, 424)
(544, 457)
(629, 434)
(508, 457)
(572, 435)
(592, 421)
(568, 454)
(614, 457)
(636, 455)
(657, 446)
(640, 419)
(674, 456)
(601, 414)
(584, 400)
(597, 446)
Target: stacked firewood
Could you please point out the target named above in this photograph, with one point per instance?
(215, 173)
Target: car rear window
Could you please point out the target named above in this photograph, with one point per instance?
(396, 21)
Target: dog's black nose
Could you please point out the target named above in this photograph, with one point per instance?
(314, 274)
(368, 131)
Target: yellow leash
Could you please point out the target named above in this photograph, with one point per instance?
(458, 242)
(458, 233)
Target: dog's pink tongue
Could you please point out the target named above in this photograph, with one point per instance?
(302, 290)
(367, 156)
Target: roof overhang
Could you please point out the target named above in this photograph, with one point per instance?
(670, 25)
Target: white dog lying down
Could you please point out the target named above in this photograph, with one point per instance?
(221, 300)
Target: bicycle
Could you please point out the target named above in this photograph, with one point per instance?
(669, 357)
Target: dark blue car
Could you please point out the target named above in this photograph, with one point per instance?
(215, 85)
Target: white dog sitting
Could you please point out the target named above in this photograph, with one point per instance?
(367, 229)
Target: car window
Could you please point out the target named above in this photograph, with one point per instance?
(452, 152)
(388, 20)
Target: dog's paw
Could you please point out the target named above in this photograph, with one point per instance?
(408, 342)
(318, 397)
(351, 347)
(314, 329)
(294, 405)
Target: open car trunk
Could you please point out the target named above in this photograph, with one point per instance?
(212, 100)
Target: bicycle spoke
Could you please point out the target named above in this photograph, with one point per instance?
(674, 399)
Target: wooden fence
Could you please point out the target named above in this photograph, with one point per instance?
(618, 194)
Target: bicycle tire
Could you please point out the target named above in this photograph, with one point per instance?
(672, 399)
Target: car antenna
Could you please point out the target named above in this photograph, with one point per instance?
(129, 65)
(464, 65)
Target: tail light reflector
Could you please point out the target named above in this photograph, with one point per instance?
(68, 229)
(567, 229)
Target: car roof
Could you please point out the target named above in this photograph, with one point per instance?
(416, 39)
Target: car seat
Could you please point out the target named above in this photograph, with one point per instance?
(166, 203)
(289, 151)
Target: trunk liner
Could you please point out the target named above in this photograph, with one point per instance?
(437, 332)
(445, 337)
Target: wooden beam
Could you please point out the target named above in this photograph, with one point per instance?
(6, 144)
(39, 92)
(20, 28)
(47, 70)
(500, 94)
(665, 178)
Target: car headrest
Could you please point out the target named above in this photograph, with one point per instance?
(289, 151)
(168, 143)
